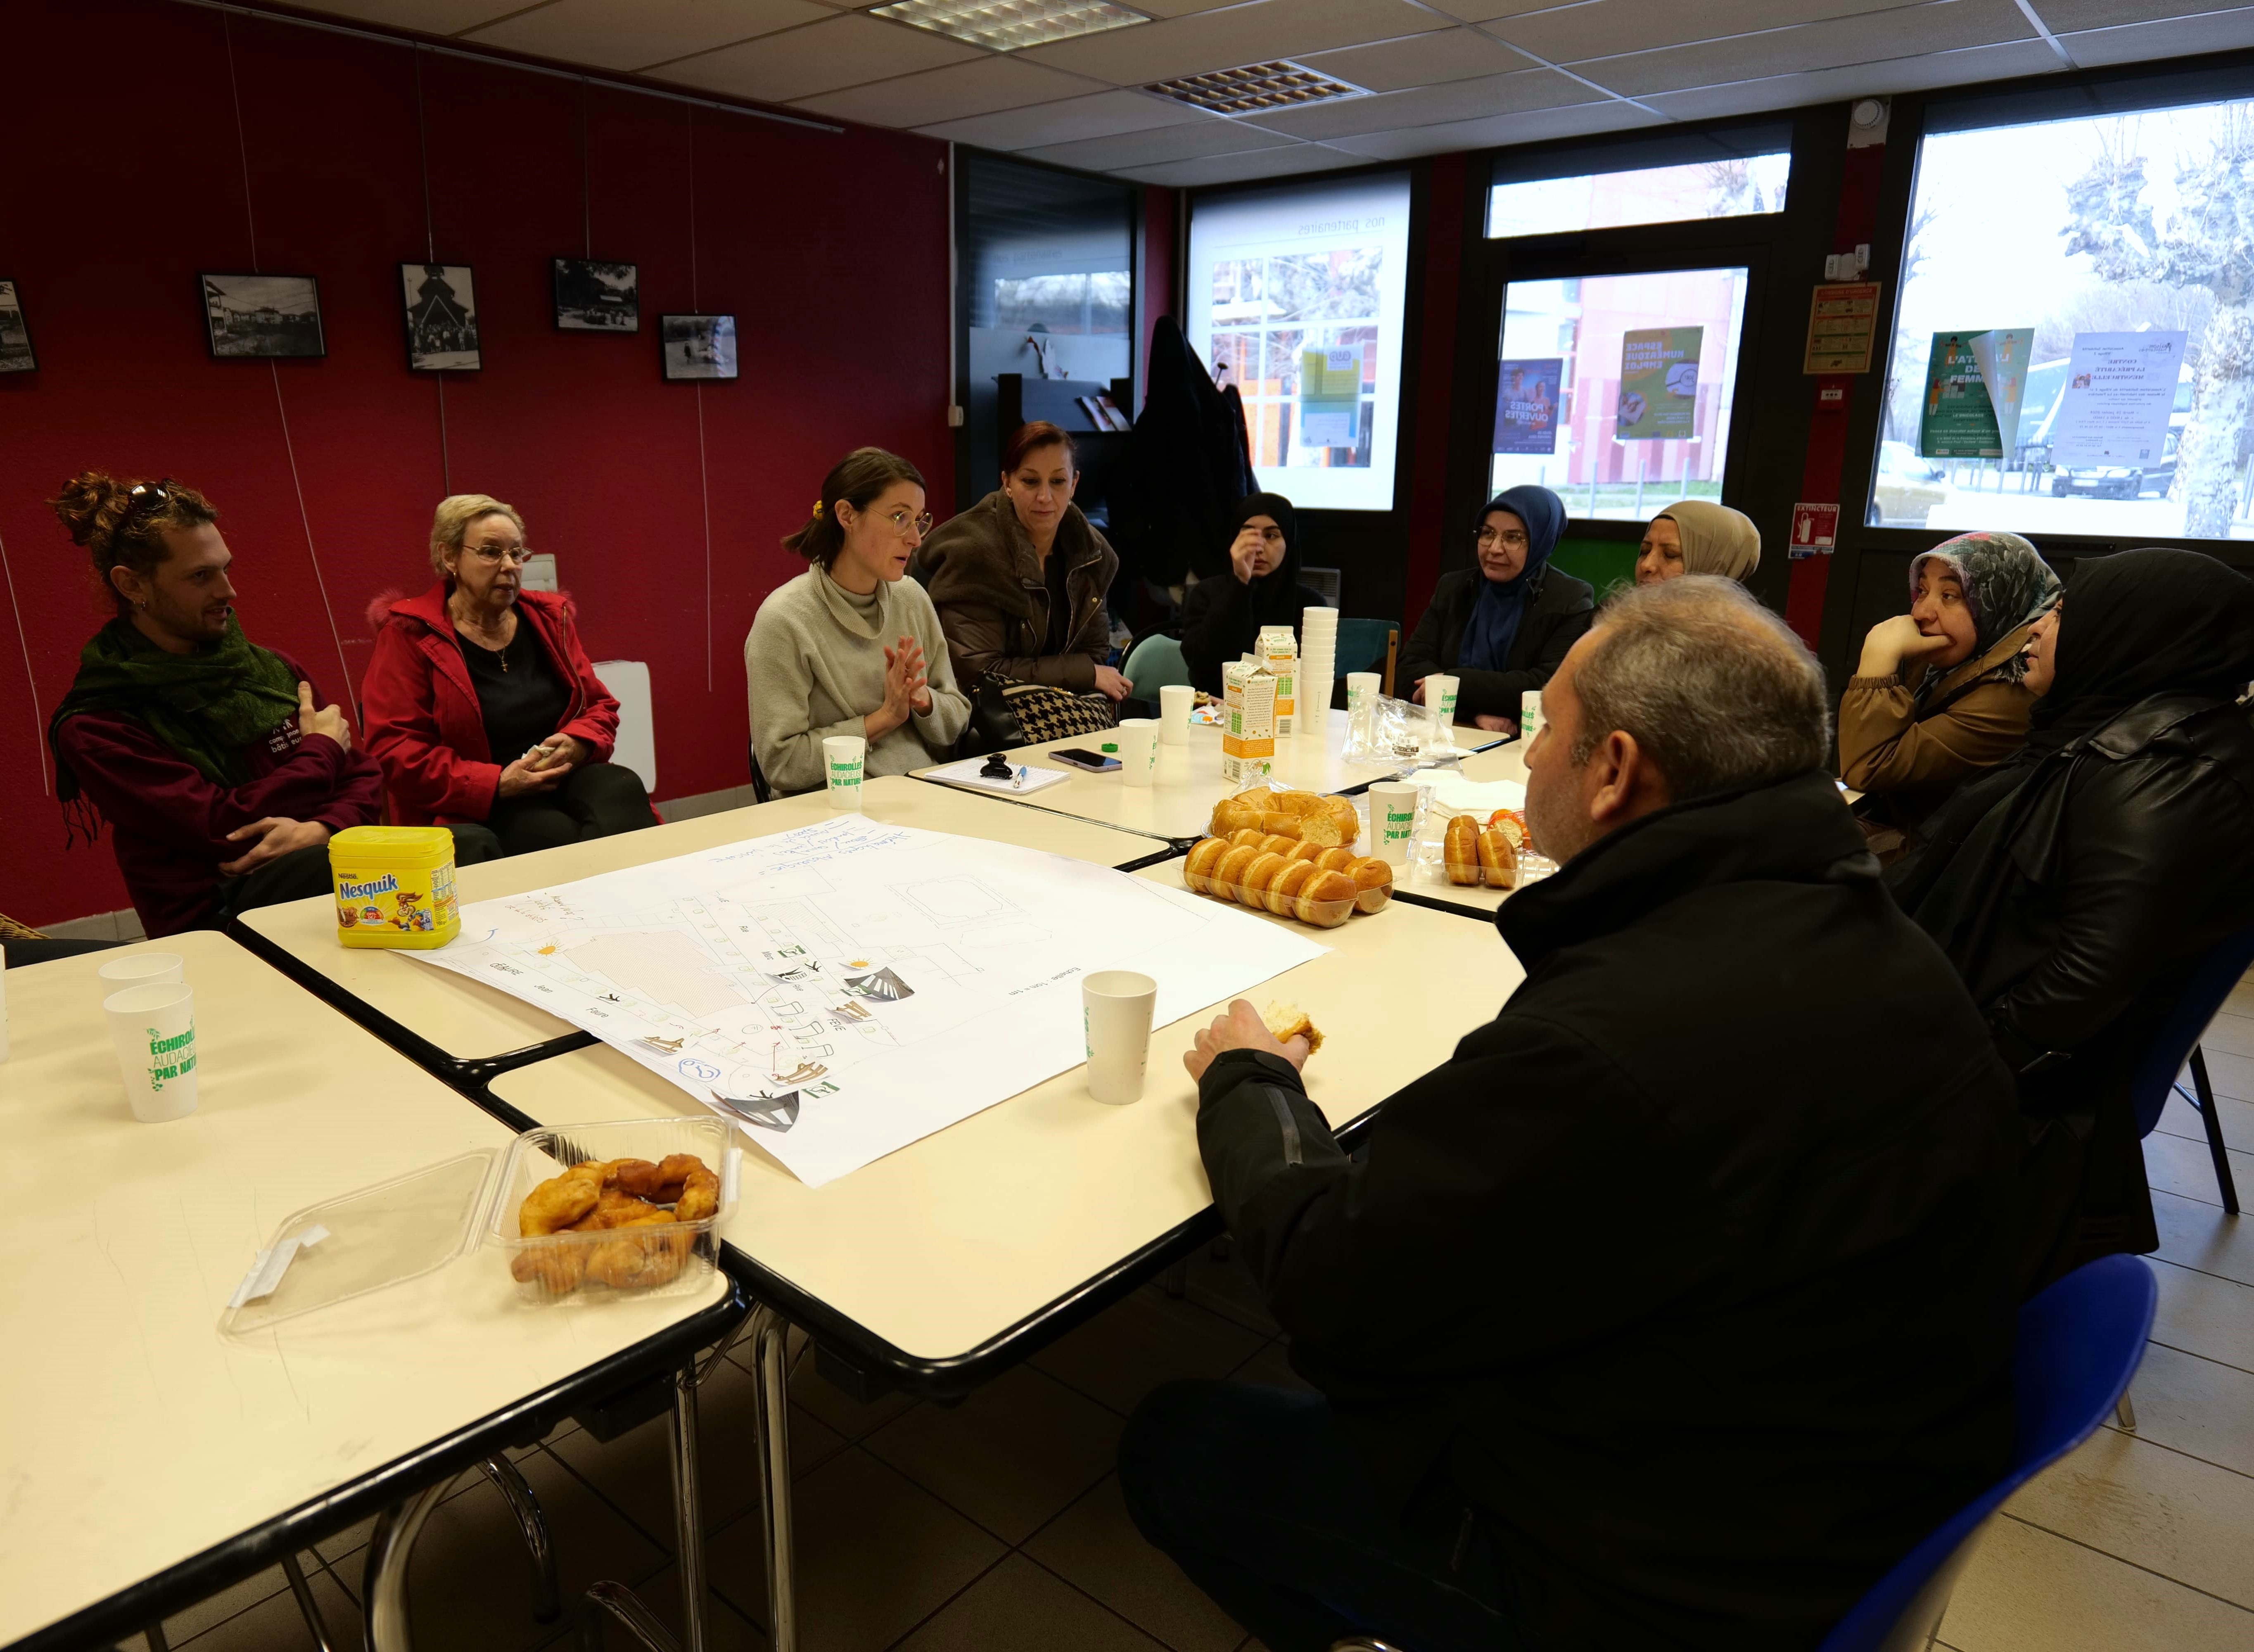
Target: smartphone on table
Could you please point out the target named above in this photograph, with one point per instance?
(1094, 762)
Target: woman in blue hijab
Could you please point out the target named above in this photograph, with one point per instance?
(1501, 626)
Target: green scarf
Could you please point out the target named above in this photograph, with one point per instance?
(207, 705)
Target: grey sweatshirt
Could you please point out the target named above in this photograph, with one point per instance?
(814, 665)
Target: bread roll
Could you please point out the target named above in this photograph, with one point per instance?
(1308, 816)
(1230, 871)
(1205, 855)
(1252, 886)
(1284, 887)
(1326, 899)
(1288, 1021)
(1498, 858)
(1460, 850)
(1374, 879)
(1247, 835)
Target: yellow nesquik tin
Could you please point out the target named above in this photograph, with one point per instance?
(394, 886)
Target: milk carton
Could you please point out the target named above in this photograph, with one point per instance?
(1248, 730)
(1278, 650)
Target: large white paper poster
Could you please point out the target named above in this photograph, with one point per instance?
(1297, 296)
(846, 988)
(2120, 392)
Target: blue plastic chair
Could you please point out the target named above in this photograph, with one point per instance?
(2080, 1342)
(2178, 1041)
(1154, 663)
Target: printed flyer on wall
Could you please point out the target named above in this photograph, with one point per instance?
(1526, 394)
(2120, 393)
(1659, 383)
(1958, 419)
(1330, 396)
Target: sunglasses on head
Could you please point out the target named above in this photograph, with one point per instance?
(146, 499)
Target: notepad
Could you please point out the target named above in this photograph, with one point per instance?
(1023, 782)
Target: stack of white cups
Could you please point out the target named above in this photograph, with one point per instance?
(1318, 667)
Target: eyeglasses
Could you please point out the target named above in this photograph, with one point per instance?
(493, 556)
(1486, 537)
(902, 521)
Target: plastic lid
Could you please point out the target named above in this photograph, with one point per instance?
(417, 845)
(365, 1240)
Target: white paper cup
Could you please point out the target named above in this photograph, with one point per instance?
(1139, 749)
(844, 758)
(1176, 701)
(1392, 821)
(1440, 701)
(141, 969)
(153, 1029)
(1115, 1009)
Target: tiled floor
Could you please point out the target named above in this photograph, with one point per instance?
(996, 1525)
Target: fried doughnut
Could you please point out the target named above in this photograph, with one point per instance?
(700, 1191)
(559, 1268)
(561, 1200)
(660, 1183)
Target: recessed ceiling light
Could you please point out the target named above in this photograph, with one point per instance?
(1254, 87)
(1004, 25)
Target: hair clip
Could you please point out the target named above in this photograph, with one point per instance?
(817, 509)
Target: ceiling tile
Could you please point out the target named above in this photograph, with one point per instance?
(1566, 34)
(1098, 115)
(1256, 33)
(979, 87)
(1938, 25)
(821, 57)
(1233, 169)
(1864, 79)
(426, 16)
(1210, 136)
(1493, 131)
(2075, 17)
(2174, 37)
(1452, 101)
(1422, 60)
(617, 37)
(1487, 10)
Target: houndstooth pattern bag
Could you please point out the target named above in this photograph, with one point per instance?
(1005, 714)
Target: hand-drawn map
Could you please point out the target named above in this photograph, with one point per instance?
(845, 989)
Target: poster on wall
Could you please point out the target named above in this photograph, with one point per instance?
(697, 347)
(1330, 397)
(442, 318)
(262, 316)
(2120, 394)
(2003, 354)
(1301, 291)
(1659, 383)
(1526, 394)
(594, 297)
(1974, 383)
(15, 355)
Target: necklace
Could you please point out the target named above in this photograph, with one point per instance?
(467, 627)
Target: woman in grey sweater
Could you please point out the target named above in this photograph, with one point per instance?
(849, 647)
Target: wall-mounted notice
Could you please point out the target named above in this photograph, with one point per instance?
(1842, 318)
(1957, 420)
(1659, 383)
(1526, 393)
(1330, 395)
(2002, 353)
(2120, 393)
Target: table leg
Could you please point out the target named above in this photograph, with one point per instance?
(308, 1608)
(384, 1594)
(533, 1526)
(616, 1600)
(687, 1509)
(771, 1372)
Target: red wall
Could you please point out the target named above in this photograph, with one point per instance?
(830, 250)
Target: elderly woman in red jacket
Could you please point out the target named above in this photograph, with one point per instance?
(481, 705)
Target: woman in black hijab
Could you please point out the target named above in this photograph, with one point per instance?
(1222, 616)
(2078, 886)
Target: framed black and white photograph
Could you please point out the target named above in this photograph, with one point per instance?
(698, 347)
(442, 318)
(594, 297)
(15, 333)
(262, 316)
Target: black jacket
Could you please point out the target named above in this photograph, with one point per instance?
(1690, 1273)
(1562, 609)
(1219, 623)
(2130, 866)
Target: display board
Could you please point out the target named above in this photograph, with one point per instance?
(1297, 296)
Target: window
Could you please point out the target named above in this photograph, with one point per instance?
(1299, 301)
(1616, 391)
(2066, 354)
(1732, 186)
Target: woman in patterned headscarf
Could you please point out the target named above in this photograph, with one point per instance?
(1938, 696)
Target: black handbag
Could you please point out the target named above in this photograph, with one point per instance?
(1006, 715)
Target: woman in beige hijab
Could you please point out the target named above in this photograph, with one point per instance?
(1696, 536)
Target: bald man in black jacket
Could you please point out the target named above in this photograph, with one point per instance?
(1677, 1304)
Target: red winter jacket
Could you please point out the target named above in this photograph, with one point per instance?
(168, 824)
(424, 725)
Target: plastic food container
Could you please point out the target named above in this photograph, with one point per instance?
(463, 1212)
(673, 1259)
(394, 886)
(1323, 914)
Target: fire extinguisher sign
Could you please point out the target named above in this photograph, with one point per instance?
(1814, 529)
